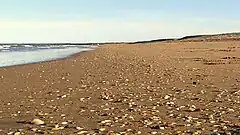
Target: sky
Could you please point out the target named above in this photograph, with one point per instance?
(54, 21)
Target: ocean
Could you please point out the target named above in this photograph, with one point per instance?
(18, 54)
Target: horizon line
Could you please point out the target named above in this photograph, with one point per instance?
(119, 42)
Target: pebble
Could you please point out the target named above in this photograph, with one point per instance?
(102, 129)
(64, 123)
(17, 133)
(167, 97)
(38, 122)
(106, 121)
(10, 133)
(154, 133)
(162, 128)
(82, 132)
(57, 128)
(79, 128)
(34, 129)
(64, 96)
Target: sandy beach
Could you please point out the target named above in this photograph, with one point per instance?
(153, 88)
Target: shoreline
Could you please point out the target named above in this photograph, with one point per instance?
(156, 88)
(53, 60)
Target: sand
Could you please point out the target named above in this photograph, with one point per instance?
(155, 88)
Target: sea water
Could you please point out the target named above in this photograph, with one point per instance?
(24, 54)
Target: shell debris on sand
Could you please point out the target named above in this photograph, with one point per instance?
(155, 88)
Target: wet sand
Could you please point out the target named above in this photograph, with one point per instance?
(155, 88)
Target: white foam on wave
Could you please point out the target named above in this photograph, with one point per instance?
(28, 46)
(4, 47)
(44, 47)
(19, 58)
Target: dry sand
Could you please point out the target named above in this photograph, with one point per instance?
(158, 88)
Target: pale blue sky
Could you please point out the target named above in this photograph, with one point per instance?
(114, 20)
